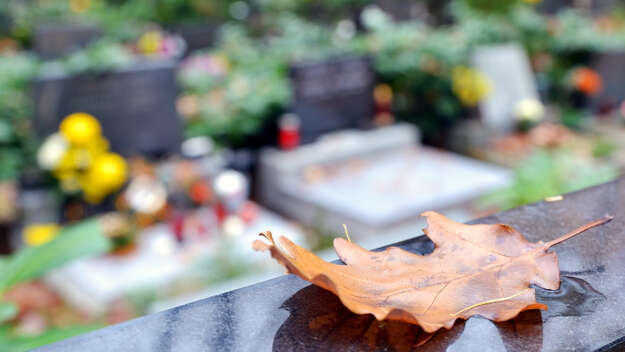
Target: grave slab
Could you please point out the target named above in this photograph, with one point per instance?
(376, 182)
(91, 285)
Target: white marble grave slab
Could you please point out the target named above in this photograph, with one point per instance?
(92, 284)
(391, 187)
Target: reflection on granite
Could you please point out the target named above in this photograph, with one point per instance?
(287, 314)
(575, 297)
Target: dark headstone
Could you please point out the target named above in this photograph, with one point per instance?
(603, 6)
(611, 67)
(402, 10)
(5, 24)
(55, 40)
(332, 94)
(197, 35)
(135, 105)
(593, 6)
(553, 6)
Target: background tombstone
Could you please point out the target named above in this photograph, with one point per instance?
(5, 23)
(603, 6)
(430, 11)
(135, 105)
(402, 10)
(197, 35)
(611, 67)
(552, 7)
(55, 40)
(333, 94)
(594, 6)
(512, 80)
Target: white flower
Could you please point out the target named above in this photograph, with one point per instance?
(146, 195)
(529, 109)
(374, 17)
(52, 151)
(345, 30)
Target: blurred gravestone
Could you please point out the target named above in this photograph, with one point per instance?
(135, 105)
(332, 94)
(611, 67)
(5, 24)
(598, 7)
(508, 70)
(594, 6)
(197, 35)
(553, 6)
(55, 40)
(402, 10)
(433, 12)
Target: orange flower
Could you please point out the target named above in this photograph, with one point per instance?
(587, 81)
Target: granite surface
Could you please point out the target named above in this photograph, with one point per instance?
(288, 314)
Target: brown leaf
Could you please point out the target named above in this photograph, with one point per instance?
(474, 269)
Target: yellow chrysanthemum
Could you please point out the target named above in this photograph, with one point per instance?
(93, 193)
(35, 235)
(107, 173)
(80, 129)
(470, 85)
(110, 170)
(150, 42)
(79, 6)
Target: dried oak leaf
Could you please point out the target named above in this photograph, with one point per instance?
(482, 270)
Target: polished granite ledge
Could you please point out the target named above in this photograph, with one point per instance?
(288, 314)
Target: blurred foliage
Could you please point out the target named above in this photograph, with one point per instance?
(573, 118)
(488, 6)
(251, 88)
(173, 11)
(547, 173)
(417, 62)
(603, 148)
(573, 31)
(326, 11)
(16, 143)
(120, 20)
(236, 86)
(73, 242)
(242, 84)
(523, 25)
(99, 56)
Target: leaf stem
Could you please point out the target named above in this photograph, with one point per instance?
(489, 302)
(346, 232)
(579, 230)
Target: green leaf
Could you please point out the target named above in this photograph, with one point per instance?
(8, 311)
(73, 242)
